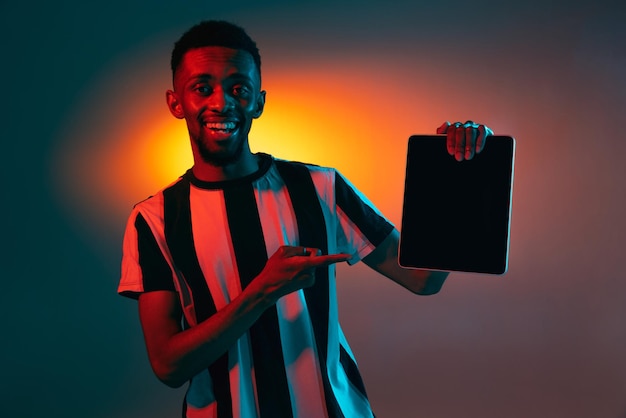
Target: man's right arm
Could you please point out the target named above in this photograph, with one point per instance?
(176, 355)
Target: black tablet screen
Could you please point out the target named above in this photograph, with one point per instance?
(456, 215)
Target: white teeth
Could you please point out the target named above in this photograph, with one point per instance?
(226, 126)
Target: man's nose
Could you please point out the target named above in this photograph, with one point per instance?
(219, 101)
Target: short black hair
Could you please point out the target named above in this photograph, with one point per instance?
(214, 33)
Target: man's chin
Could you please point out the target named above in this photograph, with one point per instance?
(221, 159)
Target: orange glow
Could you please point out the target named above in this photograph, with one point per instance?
(323, 115)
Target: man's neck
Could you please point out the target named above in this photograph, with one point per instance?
(248, 164)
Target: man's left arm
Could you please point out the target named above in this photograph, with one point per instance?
(384, 259)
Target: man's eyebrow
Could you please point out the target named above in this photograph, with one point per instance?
(234, 76)
(239, 77)
(200, 77)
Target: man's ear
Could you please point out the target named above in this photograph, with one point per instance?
(174, 104)
(260, 104)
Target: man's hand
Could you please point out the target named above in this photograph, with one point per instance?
(293, 268)
(465, 139)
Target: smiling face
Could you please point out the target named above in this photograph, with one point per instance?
(217, 92)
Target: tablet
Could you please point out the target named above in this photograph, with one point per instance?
(456, 214)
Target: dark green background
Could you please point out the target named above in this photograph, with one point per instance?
(548, 340)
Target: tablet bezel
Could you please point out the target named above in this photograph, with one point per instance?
(495, 164)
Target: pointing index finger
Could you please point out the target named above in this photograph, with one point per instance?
(328, 259)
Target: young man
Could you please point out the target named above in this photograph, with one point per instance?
(233, 263)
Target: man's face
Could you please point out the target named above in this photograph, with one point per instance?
(217, 92)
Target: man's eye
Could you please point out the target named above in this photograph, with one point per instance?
(203, 89)
(241, 91)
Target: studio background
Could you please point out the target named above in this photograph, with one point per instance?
(86, 134)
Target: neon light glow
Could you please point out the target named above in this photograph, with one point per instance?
(318, 114)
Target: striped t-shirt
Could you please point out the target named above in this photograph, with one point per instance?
(208, 240)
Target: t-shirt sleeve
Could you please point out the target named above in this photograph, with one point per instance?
(361, 226)
(144, 267)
